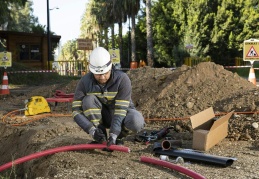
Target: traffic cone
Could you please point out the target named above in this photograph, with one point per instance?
(251, 77)
(5, 88)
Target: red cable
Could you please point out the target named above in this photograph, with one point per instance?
(172, 166)
(62, 149)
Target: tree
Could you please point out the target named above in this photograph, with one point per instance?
(150, 51)
(214, 28)
(6, 8)
(17, 16)
(120, 16)
(132, 11)
(22, 20)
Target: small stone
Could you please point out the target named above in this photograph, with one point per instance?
(190, 105)
(255, 125)
(237, 167)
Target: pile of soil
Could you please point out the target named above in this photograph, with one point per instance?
(165, 97)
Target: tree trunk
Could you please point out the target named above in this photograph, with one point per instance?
(150, 51)
(120, 44)
(113, 37)
(106, 43)
(133, 40)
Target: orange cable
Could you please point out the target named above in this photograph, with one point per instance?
(183, 118)
(37, 117)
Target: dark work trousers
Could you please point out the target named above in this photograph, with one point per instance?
(102, 114)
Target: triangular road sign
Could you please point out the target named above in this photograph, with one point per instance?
(252, 52)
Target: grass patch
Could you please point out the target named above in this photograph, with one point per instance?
(244, 72)
(33, 78)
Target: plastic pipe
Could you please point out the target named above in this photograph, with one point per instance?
(168, 144)
(172, 166)
(62, 149)
(198, 156)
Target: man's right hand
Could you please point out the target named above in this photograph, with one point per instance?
(97, 134)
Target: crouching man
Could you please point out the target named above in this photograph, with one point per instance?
(103, 101)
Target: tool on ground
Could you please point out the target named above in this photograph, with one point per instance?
(61, 94)
(179, 160)
(61, 97)
(36, 105)
(153, 136)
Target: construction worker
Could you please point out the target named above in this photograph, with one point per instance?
(103, 101)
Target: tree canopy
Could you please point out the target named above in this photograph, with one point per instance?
(16, 15)
(215, 28)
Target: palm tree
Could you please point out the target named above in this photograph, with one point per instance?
(120, 16)
(150, 50)
(133, 9)
(102, 14)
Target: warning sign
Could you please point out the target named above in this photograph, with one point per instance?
(84, 44)
(5, 59)
(115, 55)
(252, 53)
(251, 50)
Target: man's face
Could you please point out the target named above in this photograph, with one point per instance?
(103, 78)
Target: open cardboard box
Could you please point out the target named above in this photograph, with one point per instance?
(207, 132)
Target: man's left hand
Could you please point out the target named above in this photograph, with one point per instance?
(111, 139)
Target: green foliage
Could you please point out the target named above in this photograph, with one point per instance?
(69, 51)
(214, 28)
(6, 8)
(17, 15)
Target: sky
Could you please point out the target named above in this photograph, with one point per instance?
(64, 21)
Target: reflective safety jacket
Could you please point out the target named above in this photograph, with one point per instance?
(116, 95)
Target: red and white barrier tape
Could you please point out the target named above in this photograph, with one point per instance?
(240, 67)
(36, 71)
(237, 66)
(56, 71)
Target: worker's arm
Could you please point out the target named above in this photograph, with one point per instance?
(77, 110)
(122, 101)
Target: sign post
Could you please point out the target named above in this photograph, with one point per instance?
(115, 57)
(85, 44)
(5, 59)
(251, 50)
(251, 53)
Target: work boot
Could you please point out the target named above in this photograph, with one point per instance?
(124, 133)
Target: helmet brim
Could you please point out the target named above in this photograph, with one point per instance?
(100, 70)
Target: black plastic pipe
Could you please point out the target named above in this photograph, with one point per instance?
(194, 155)
(169, 144)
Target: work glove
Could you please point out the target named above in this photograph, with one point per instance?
(97, 134)
(112, 139)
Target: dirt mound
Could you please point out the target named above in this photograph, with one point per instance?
(186, 91)
(159, 93)
(164, 93)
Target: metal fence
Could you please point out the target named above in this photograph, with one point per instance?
(70, 68)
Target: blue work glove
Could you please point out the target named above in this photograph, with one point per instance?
(111, 139)
(97, 134)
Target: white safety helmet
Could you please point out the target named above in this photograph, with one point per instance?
(100, 61)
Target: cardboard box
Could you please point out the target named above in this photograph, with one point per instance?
(208, 131)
